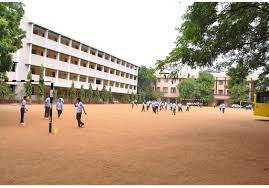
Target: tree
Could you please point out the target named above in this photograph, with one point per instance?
(5, 91)
(239, 92)
(204, 87)
(41, 85)
(236, 31)
(72, 92)
(82, 93)
(146, 81)
(11, 34)
(110, 96)
(89, 93)
(104, 94)
(186, 88)
(97, 95)
(28, 85)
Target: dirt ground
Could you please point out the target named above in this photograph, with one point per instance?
(123, 146)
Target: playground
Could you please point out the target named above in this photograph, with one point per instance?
(119, 145)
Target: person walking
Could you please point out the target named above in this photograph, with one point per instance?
(47, 107)
(80, 107)
(23, 110)
(59, 107)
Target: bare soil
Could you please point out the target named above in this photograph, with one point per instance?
(123, 146)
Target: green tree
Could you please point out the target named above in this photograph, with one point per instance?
(28, 85)
(82, 93)
(110, 95)
(11, 34)
(239, 92)
(5, 91)
(186, 88)
(204, 87)
(72, 92)
(97, 95)
(41, 85)
(235, 31)
(146, 81)
(104, 94)
(90, 93)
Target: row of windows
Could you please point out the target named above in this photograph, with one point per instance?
(165, 89)
(76, 45)
(167, 80)
(75, 77)
(66, 58)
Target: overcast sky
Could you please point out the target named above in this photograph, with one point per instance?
(138, 31)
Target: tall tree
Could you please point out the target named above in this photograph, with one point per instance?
(239, 92)
(41, 85)
(28, 85)
(97, 95)
(104, 94)
(72, 92)
(186, 88)
(11, 34)
(90, 93)
(110, 95)
(235, 31)
(204, 86)
(82, 93)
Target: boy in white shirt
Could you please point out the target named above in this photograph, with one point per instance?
(174, 106)
(59, 107)
(23, 109)
(47, 108)
(79, 107)
(179, 107)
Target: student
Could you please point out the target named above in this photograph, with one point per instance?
(62, 99)
(143, 107)
(59, 107)
(80, 107)
(148, 104)
(133, 103)
(156, 106)
(187, 107)
(220, 107)
(47, 107)
(174, 106)
(23, 109)
(179, 107)
(165, 105)
(223, 108)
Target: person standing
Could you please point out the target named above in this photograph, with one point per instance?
(23, 109)
(47, 107)
(59, 107)
(223, 108)
(133, 103)
(80, 107)
(187, 107)
(179, 107)
(148, 104)
(174, 107)
(143, 107)
(62, 99)
(156, 106)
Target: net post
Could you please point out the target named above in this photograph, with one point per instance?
(51, 102)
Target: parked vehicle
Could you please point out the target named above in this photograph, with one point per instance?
(236, 106)
(249, 107)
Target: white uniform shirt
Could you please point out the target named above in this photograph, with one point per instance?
(174, 106)
(79, 107)
(59, 105)
(179, 105)
(23, 103)
(47, 102)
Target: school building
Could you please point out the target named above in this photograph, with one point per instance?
(66, 60)
(168, 86)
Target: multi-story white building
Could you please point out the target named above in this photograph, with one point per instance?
(66, 60)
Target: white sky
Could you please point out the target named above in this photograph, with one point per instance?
(138, 31)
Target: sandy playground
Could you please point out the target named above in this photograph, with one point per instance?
(123, 146)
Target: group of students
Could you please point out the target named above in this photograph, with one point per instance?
(59, 107)
(156, 106)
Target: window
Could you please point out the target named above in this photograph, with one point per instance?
(159, 80)
(63, 57)
(37, 50)
(99, 68)
(134, 77)
(53, 36)
(98, 81)
(75, 45)
(165, 89)
(220, 92)
(14, 66)
(173, 90)
(39, 31)
(33, 70)
(134, 87)
(100, 54)
(262, 97)
(228, 92)
(166, 80)
(93, 51)
(51, 54)
(74, 60)
(65, 41)
(221, 82)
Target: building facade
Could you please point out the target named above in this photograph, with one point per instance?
(66, 60)
(170, 92)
